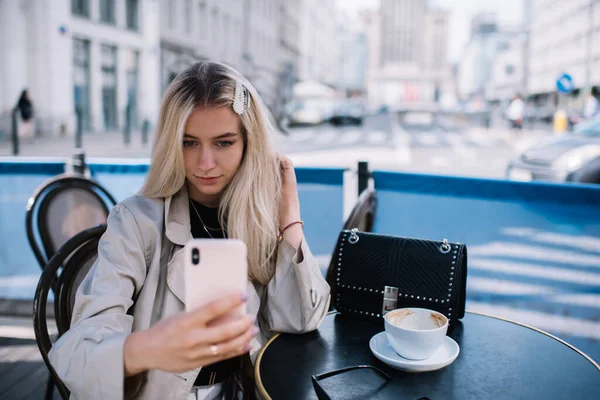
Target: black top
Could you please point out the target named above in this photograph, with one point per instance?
(210, 217)
(497, 360)
(26, 108)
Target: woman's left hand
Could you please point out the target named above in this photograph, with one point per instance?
(289, 206)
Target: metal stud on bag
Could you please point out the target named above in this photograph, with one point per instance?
(353, 236)
(445, 247)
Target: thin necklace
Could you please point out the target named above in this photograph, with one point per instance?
(202, 222)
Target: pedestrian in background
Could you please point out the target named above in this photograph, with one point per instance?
(25, 107)
(591, 106)
(515, 113)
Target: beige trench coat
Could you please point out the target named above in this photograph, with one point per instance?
(136, 257)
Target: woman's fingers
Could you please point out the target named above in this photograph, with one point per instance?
(230, 348)
(218, 308)
(226, 331)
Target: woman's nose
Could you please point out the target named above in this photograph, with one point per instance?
(207, 160)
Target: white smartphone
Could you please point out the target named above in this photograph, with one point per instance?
(214, 268)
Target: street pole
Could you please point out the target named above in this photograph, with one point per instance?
(145, 131)
(79, 131)
(526, 47)
(589, 49)
(246, 39)
(15, 133)
(127, 130)
(363, 176)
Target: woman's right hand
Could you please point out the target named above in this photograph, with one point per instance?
(188, 340)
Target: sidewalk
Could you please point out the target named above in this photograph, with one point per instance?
(94, 145)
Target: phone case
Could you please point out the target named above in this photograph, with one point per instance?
(221, 269)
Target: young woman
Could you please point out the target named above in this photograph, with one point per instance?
(213, 174)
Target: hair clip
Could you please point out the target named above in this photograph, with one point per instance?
(241, 98)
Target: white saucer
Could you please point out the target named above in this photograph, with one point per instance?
(443, 356)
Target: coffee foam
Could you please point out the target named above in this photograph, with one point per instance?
(397, 317)
(405, 318)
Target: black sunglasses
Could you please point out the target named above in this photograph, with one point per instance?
(322, 394)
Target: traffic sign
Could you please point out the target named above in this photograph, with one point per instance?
(564, 83)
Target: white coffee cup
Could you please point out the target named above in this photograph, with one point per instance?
(415, 333)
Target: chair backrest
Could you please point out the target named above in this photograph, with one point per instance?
(362, 215)
(76, 257)
(361, 218)
(74, 271)
(60, 208)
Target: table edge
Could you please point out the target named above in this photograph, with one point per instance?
(263, 394)
(569, 345)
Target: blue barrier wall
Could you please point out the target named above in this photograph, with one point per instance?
(531, 246)
(19, 270)
(320, 191)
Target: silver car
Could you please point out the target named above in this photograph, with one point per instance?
(571, 158)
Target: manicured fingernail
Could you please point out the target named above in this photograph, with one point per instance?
(253, 319)
(247, 348)
(254, 330)
(244, 297)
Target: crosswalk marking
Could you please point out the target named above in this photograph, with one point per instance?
(537, 271)
(463, 144)
(535, 253)
(587, 243)
(438, 161)
(377, 137)
(458, 145)
(300, 135)
(350, 136)
(326, 137)
(428, 138)
(505, 286)
(556, 324)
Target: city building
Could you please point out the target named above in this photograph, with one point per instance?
(289, 33)
(318, 42)
(508, 69)
(257, 37)
(476, 64)
(564, 38)
(353, 55)
(113, 59)
(410, 65)
(435, 61)
(92, 55)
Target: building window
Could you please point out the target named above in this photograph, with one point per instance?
(188, 16)
(131, 12)
(109, 86)
(215, 30)
(132, 65)
(81, 80)
(107, 12)
(171, 13)
(228, 43)
(509, 69)
(80, 8)
(203, 18)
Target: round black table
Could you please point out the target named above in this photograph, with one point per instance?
(499, 359)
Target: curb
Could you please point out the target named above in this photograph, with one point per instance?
(22, 308)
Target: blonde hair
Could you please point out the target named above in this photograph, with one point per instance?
(249, 207)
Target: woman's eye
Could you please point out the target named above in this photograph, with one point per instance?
(189, 143)
(224, 143)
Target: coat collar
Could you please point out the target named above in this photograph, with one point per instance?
(177, 217)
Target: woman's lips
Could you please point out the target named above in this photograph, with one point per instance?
(208, 180)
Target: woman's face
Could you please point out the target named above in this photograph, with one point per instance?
(213, 147)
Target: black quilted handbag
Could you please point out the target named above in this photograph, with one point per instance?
(428, 274)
